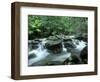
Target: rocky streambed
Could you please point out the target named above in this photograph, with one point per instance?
(57, 51)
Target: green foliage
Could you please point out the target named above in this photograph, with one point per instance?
(45, 26)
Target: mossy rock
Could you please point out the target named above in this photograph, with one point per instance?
(54, 46)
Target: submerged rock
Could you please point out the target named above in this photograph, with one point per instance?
(54, 46)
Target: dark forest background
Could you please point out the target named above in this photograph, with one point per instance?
(45, 26)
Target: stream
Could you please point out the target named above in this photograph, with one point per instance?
(41, 56)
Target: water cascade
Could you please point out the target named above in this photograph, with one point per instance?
(41, 52)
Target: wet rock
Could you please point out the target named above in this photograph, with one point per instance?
(69, 44)
(84, 55)
(72, 60)
(31, 56)
(53, 38)
(33, 44)
(69, 37)
(54, 46)
(82, 38)
(65, 40)
(38, 40)
(54, 63)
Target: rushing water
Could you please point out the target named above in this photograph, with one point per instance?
(42, 53)
(79, 44)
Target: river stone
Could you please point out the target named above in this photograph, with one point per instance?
(84, 55)
(72, 60)
(37, 40)
(69, 44)
(53, 38)
(82, 38)
(31, 56)
(33, 44)
(68, 37)
(54, 46)
(54, 63)
(65, 40)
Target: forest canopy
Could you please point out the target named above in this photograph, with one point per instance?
(45, 26)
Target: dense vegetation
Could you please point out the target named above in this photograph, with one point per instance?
(45, 26)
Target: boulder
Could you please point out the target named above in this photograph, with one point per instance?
(65, 40)
(31, 56)
(72, 60)
(37, 40)
(84, 55)
(54, 63)
(33, 44)
(68, 37)
(82, 38)
(69, 44)
(54, 46)
(54, 38)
